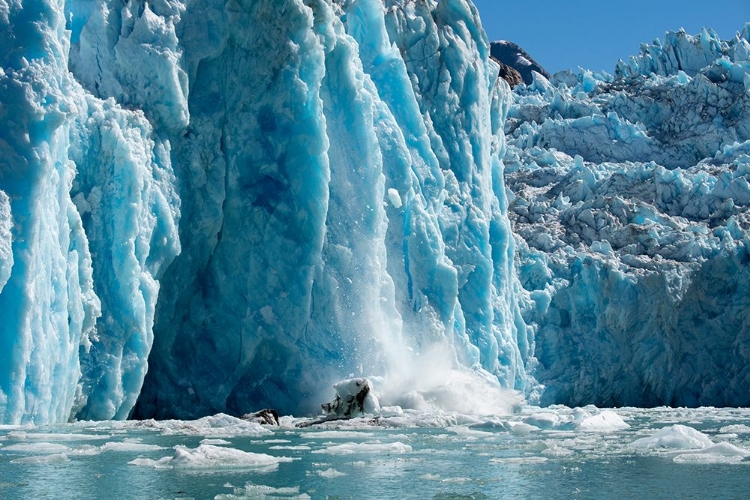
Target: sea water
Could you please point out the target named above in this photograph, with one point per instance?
(536, 453)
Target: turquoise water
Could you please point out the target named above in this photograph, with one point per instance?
(539, 453)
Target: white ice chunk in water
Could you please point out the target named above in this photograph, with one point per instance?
(207, 456)
(677, 437)
(352, 448)
(606, 421)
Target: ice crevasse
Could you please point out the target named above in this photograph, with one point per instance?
(217, 206)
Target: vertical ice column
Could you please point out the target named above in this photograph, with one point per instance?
(235, 308)
(6, 240)
(47, 306)
(463, 106)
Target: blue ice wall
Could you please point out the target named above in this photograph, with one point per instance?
(631, 200)
(86, 222)
(325, 229)
(336, 204)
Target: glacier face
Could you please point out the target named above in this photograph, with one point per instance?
(250, 200)
(631, 200)
(86, 223)
(211, 206)
(329, 165)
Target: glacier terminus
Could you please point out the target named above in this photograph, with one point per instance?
(221, 206)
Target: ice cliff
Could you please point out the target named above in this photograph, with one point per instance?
(219, 206)
(631, 201)
(250, 200)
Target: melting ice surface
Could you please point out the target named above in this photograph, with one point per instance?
(554, 452)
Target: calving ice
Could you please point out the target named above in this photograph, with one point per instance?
(220, 207)
(215, 207)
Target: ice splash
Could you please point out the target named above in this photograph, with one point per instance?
(433, 380)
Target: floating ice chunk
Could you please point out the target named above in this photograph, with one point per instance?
(735, 429)
(28, 436)
(219, 425)
(207, 456)
(215, 442)
(542, 420)
(43, 447)
(606, 421)
(717, 453)
(352, 448)
(259, 491)
(329, 473)
(519, 460)
(678, 437)
(44, 459)
(338, 435)
(522, 429)
(130, 447)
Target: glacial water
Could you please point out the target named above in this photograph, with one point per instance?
(535, 453)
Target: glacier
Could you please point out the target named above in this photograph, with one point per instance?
(219, 206)
(222, 206)
(631, 203)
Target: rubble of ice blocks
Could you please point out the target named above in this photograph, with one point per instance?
(631, 204)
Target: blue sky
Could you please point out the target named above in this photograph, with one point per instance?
(594, 34)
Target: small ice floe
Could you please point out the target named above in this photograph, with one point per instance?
(55, 458)
(215, 442)
(691, 446)
(721, 453)
(542, 420)
(56, 437)
(523, 429)
(676, 437)
(605, 421)
(735, 429)
(130, 447)
(261, 491)
(206, 457)
(329, 473)
(220, 425)
(38, 447)
(360, 448)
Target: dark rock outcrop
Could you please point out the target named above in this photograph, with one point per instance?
(514, 56)
(510, 75)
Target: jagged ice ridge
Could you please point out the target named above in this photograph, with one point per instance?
(631, 202)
